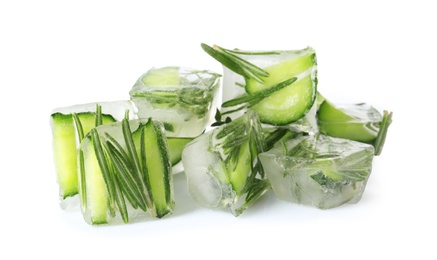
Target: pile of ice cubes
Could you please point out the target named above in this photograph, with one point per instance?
(233, 162)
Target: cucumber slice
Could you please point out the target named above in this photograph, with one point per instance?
(65, 148)
(176, 145)
(96, 205)
(359, 122)
(158, 167)
(162, 77)
(238, 175)
(280, 72)
(288, 104)
(64, 151)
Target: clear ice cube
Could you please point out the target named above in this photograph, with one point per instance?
(184, 98)
(318, 170)
(111, 182)
(221, 165)
(65, 141)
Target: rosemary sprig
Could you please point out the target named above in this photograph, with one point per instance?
(132, 153)
(126, 176)
(253, 99)
(98, 115)
(238, 65)
(104, 167)
(380, 138)
(118, 195)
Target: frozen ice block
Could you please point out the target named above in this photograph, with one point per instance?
(255, 71)
(318, 170)
(184, 98)
(126, 173)
(66, 140)
(221, 165)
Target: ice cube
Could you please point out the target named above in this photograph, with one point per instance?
(125, 173)
(281, 65)
(184, 98)
(221, 165)
(318, 170)
(66, 141)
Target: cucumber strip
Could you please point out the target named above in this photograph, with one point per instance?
(104, 167)
(242, 169)
(281, 71)
(358, 122)
(64, 154)
(288, 104)
(158, 167)
(162, 77)
(96, 205)
(176, 145)
(257, 97)
(65, 146)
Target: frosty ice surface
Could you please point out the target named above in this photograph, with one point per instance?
(221, 165)
(318, 170)
(184, 98)
(66, 141)
(359, 122)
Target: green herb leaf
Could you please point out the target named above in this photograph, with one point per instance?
(104, 167)
(380, 138)
(98, 115)
(132, 153)
(236, 64)
(129, 182)
(79, 128)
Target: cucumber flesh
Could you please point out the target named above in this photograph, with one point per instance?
(358, 122)
(158, 167)
(176, 145)
(288, 104)
(96, 202)
(65, 148)
(281, 71)
(162, 77)
(238, 176)
(64, 153)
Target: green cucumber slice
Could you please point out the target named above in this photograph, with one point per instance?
(96, 204)
(358, 122)
(280, 72)
(65, 147)
(238, 175)
(158, 167)
(288, 104)
(162, 77)
(176, 145)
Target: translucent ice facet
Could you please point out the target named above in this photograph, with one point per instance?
(221, 165)
(359, 122)
(318, 170)
(184, 98)
(66, 140)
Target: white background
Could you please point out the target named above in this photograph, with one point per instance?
(61, 53)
